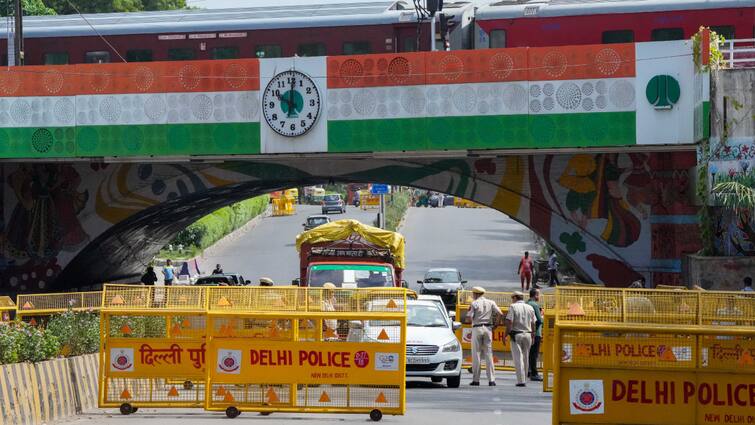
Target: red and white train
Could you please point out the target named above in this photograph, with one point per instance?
(368, 27)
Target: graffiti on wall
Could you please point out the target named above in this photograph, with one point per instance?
(616, 216)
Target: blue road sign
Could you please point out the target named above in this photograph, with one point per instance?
(379, 189)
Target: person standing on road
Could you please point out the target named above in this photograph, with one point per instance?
(481, 316)
(218, 269)
(553, 269)
(520, 325)
(748, 284)
(149, 277)
(534, 302)
(169, 273)
(525, 270)
(329, 326)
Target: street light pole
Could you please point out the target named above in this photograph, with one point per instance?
(19, 36)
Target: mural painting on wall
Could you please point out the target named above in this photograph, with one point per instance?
(43, 221)
(607, 212)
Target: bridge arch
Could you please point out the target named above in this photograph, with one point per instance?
(612, 214)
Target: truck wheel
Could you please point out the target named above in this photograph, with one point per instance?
(126, 409)
(232, 412)
(436, 379)
(376, 415)
(453, 381)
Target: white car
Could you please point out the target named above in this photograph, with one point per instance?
(432, 349)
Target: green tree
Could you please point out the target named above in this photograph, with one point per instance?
(105, 6)
(30, 7)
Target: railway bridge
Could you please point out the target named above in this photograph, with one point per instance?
(592, 147)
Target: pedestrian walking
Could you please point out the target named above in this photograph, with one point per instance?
(525, 271)
(218, 269)
(169, 273)
(483, 315)
(553, 269)
(534, 302)
(149, 277)
(520, 325)
(747, 284)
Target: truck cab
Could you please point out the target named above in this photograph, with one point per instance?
(351, 274)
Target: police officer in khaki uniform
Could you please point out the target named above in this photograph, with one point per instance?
(480, 314)
(520, 327)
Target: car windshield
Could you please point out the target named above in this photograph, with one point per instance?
(422, 315)
(332, 198)
(316, 221)
(350, 275)
(441, 277)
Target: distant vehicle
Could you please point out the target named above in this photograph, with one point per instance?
(444, 282)
(435, 201)
(333, 202)
(226, 279)
(448, 200)
(432, 349)
(315, 220)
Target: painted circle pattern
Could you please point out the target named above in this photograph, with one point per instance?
(501, 65)
(607, 61)
(451, 67)
(351, 71)
(399, 70)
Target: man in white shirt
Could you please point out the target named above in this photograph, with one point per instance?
(520, 326)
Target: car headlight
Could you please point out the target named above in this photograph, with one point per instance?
(452, 347)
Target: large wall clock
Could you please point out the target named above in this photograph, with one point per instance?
(291, 103)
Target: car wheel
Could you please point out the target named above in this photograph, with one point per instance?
(436, 379)
(453, 381)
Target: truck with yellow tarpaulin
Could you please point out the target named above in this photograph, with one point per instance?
(350, 254)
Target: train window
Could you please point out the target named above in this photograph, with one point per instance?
(59, 58)
(618, 36)
(667, 34)
(356, 48)
(497, 39)
(268, 51)
(311, 49)
(97, 57)
(410, 44)
(230, 52)
(181, 54)
(727, 31)
(139, 55)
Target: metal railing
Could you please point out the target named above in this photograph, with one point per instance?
(739, 53)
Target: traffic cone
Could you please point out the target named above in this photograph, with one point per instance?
(272, 396)
(381, 398)
(745, 359)
(668, 355)
(220, 392)
(33, 322)
(173, 392)
(575, 310)
(185, 323)
(391, 304)
(383, 336)
(27, 306)
(228, 397)
(125, 395)
(223, 302)
(126, 329)
(324, 397)
(330, 333)
(117, 300)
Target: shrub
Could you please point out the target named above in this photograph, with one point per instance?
(77, 332)
(21, 342)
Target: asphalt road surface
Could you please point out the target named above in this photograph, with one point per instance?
(483, 243)
(427, 403)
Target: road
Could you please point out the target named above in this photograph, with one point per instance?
(483, 243)
(427, 403)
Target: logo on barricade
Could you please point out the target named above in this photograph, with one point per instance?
(586, 397)
(229, 361)
(386, 361)
(466, 335)
(361, 358)
(121, 359)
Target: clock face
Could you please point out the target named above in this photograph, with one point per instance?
(291, 103)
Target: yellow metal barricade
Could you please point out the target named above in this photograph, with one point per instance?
(465, 203)
(283, 206)
(7, 306)
(49, 304)
(654, 357)
(152, 351)
(306, 350)
(501, 347)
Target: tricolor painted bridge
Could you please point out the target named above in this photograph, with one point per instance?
(589, 146)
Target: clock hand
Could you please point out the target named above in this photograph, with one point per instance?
(291, 97)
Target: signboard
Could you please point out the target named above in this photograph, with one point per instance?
(379, 189)
(661, 397)
(134, 358)
(654, 352)
(235, 360)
